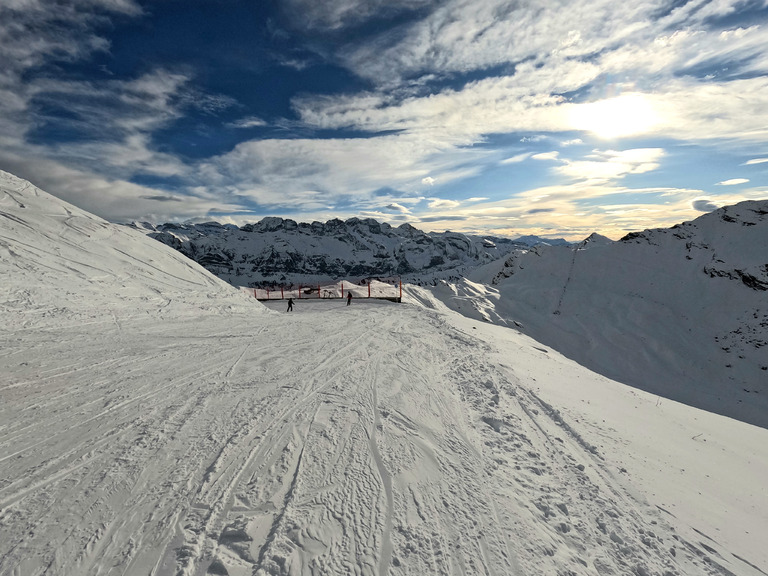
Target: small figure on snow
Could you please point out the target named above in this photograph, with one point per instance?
(290, 304)
(349, 298)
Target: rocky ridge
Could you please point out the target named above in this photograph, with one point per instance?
(283, 251)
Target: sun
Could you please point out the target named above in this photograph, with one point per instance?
(626, 115)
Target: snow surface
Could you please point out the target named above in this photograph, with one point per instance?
(154, 420)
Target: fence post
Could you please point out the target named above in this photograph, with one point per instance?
(369, 288)
(342, 289)
(282, 295)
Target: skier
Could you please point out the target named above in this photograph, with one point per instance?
(349, 298)
(290, 304)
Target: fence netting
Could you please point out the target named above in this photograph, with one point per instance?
(374, 288)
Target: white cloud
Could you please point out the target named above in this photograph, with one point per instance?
(755, 161)
(34, 31)
(733, 182)
(112, 199)
(524, 102)
(575, 210)
(279, 172)
(395, 207)
(703, 205)
(546, 155)
(249, 122)
(117, 118)
(429, 181)
(459, 36)
(132, 155)
(698, 110)
(440, 203)
(516, 158)
(31, 31)
(689, 109)
(553, 53)
(340, 14)
(699, 12)
(113, 119)
(612, 164)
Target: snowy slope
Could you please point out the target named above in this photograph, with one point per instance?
(679, 312)
(59, 262)
(175, 428)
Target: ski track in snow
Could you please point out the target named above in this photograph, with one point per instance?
(366, 440)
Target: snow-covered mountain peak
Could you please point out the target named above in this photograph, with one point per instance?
(726, 243)
(595, 239)
(282, 251)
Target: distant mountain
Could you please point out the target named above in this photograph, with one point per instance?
(594, 239)
(680, 312)
(277, 250)
(538, 241)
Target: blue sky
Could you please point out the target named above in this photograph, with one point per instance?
(556, 118)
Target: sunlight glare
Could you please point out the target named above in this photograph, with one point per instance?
(625, 115)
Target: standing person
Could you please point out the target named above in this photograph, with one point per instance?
(349, 298)
(290, 304)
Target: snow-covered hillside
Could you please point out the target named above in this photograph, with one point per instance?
(59, 262)
(153, 420)
(679, 312)
(281, 251)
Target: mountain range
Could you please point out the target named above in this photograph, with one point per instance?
(282, 251)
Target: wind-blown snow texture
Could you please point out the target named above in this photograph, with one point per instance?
(154, 420)
(679, 312)
(281, 251)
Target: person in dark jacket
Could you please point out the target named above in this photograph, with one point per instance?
(349, 298)
(290, 304)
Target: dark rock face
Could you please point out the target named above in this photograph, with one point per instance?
(749, 280)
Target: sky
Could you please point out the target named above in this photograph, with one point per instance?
(507, 118)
